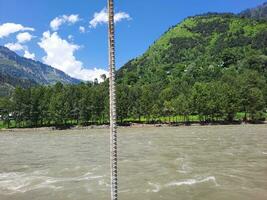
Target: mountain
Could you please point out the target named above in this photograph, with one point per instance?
(8, 83)
(19, 71)
(201, 48)
(210, 66)
(259, 12)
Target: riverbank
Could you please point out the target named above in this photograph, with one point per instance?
(130, 125)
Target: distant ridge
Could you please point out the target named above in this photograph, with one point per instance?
(259, 13)
(19, 71)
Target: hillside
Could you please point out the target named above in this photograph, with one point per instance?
(18, 71)
(210, 68)
(8, 84)
(201, 48)
(259, 12)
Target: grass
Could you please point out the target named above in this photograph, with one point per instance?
(240, 116)
(1, 124)
(179, 118)
(173, 119)
(11, 125)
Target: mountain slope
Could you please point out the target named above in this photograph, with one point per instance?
(8, 84)
(201, 48)
(18, 71)
(259, 12)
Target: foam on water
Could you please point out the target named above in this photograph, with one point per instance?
(156, 187)
(192, 181)
(102, 182)
(183, 166)
(20, 182)
(13, 182)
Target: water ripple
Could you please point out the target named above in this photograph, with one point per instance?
(192, 181)
(13, 182)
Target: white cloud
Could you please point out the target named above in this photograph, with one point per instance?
(99, 18)
(9, 28)
(55, 23)
(58, 21)
(120, 16)
(60, 54)
(82, 29)
(102, 18)
(72, 18)
(15, 46)
(24, 37)
(29, 55)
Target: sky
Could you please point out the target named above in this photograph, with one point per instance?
(71, 35)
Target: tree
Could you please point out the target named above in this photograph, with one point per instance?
(5, 110)
(21, 101)
(123, 102)
(181, 105)
(35, 105)
(103, 77)
(135, 109)
(85, 105)
(155, 112)
(168, 109)
(147, 101)
(255, 104)
(56, 105)
(200, 98)
(252, 93)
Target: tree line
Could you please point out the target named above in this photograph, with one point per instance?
(87, 103)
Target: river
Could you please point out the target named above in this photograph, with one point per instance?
(187, 163)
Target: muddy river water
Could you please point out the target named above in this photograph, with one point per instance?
(187, 163)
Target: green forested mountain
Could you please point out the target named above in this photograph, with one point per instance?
(259, 12)
(201, 48)
(18, 71)
(210, 67)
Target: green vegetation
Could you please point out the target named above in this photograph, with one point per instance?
(85, 104)
(209, 68)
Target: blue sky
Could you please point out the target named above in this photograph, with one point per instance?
(79, 48)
